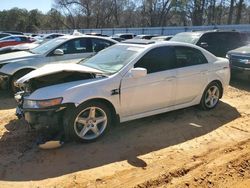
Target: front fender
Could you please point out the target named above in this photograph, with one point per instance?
(12, 68)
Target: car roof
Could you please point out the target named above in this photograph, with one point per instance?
(211, 31)
(68, 37)
(138, 41)
(151, 43)
(124, 34)
(14, 36)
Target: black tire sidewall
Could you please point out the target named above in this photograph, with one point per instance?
(70, 116)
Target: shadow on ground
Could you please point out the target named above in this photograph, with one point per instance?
(124, 142)
(7, 100)
(240, 83)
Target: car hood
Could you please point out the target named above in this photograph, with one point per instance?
(244, 50)
(54, 69)
(25, 46)
(16, 56)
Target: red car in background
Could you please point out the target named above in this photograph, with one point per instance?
(14, 40)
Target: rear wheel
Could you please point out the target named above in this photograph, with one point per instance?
(211, 96)
(88, 122)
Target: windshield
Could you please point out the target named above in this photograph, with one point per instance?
(191, 38)
(113, 58)
(47, 46)
(6, 38)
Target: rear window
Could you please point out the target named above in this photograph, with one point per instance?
(188, 37)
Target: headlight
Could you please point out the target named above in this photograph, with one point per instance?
(227, 56)
(41, 103)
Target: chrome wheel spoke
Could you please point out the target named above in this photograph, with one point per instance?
(207, 100)
(210, 103)
(95, 130)
(214, 91)
(84, 131)
(81, 120)
(100, 119)
(209, 92)
(92, 112)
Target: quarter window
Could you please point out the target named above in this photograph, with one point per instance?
(186, 56)
(158, 59)
(99, 44)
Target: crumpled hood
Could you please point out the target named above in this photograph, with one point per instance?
(244, 50)
(56, 68)
(16, 56)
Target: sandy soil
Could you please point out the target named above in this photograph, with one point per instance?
(184, 148)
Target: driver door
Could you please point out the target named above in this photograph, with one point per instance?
(74, 50)
(153, 91)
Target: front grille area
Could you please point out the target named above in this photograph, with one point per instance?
(240, 61)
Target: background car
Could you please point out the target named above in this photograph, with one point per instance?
(20, 47)
(14, 40)
(217, 42)
(66, 49)
(123, 82)
(2, 35)
(124, 35)
(48, 36)
(144, 36)
(240, 61)
(162, 38)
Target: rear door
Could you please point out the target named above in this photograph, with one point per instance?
(191, 74)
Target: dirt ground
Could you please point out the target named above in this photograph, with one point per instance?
(184, 148)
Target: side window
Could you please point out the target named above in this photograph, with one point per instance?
(186, 56)
(18, 39)
(158, 59)
(99, 44)
(23, 39)
(211, 39)
(234, 40)
(75, 46)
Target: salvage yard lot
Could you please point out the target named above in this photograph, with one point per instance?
(184, 148)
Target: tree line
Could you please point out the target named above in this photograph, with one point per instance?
(71, 14)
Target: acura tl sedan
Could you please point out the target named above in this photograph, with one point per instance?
(65, 49)
(126, 81)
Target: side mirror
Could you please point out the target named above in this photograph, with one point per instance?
(58, 52)
(138, 72)
(204, 45)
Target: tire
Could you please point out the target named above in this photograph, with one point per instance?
(211, 96)
(88, 122)
(15, 77)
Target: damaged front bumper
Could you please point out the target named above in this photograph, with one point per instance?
(4, 80)
(48, 118)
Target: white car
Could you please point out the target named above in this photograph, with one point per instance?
(125, 82)
(65, 49)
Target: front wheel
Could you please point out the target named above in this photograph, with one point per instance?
(88, 122)
(211, 96)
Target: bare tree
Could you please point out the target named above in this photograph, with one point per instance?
(239, 9)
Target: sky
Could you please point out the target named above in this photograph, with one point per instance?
(42, 5)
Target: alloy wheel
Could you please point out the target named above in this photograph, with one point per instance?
(90, 123)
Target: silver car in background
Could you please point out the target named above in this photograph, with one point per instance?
(65, 49)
